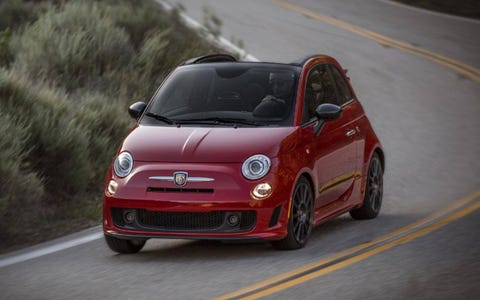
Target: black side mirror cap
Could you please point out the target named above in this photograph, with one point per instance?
(326, 112)
(136, 109)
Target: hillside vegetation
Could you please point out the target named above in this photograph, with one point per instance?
(68, 71)
(464, 8)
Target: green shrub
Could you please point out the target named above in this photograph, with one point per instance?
(57, 144)
(20, 187)
(108, 47)
(6, 55)
(75, 66)
(138, 19)
(103, 54)
(106, 122)
(161, 41)
(466, 8)
(151, 63)
(14, 13)
(62, 154)
(73, 46)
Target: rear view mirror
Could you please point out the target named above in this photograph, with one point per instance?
(136, 109)
(326, 112)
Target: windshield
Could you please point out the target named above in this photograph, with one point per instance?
(243, 94)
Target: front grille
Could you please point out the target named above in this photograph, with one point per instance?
(214, 221)
(180, 220)
(179, 190)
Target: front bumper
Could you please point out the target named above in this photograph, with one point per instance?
(200, 211)
(253, 222)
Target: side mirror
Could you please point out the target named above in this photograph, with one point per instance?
(136, 109)
(326, 112)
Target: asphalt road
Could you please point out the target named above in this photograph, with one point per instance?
(428, 119)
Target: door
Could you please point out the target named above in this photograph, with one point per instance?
(333, 148)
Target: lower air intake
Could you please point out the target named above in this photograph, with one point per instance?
(215, 221)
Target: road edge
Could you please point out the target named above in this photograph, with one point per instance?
(65, 242)
(220, 40)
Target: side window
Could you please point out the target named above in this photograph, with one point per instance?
(344, 93)
(318, 90)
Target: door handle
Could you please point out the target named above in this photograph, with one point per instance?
(351, 132)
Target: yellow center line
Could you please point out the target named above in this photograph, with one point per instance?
(452, 207)
(465, 211)
(450, 63)
(455, 65)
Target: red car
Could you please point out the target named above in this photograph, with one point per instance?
(243, 150)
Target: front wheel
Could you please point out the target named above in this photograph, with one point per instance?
(373, 192)
(300, 223)
(124, 246)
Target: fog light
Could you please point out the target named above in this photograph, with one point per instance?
(233, 220)
(112, 187)
(262, 190)
(129, 216)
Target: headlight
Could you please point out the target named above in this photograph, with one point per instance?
(123, 164)
(256, 166)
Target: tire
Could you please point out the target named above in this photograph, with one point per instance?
(372, 201)
(124, 246)
(300, 223)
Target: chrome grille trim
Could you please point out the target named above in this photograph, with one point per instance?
(190, 179)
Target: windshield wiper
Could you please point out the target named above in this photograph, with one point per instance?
(218, 120)
(161, 118)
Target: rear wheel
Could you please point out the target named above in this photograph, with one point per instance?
(125, 246)
(300, 223)
(372, 201)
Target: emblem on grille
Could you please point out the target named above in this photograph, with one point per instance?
(180, 178)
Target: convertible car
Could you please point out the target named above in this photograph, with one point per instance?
(227, 149)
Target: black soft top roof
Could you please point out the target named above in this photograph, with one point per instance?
(212, 58)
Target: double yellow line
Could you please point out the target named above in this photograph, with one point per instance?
(457, 66)
(400, 236)
(358, 253)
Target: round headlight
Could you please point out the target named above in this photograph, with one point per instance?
(123, 164)
(256, 166)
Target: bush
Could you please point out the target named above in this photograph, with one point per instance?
(466, 8)
(61, 153)
(75, 46)
(6, 55)
(106, 122)
(74, 66)
(138, 19)
(88, 48)
(151, 63)
(14, 13)
(20, 186)
(161, 41)
(109, 47)
(57, 145)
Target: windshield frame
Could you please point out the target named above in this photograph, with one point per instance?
(289, 116)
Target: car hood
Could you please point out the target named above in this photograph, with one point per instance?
(205, 144)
